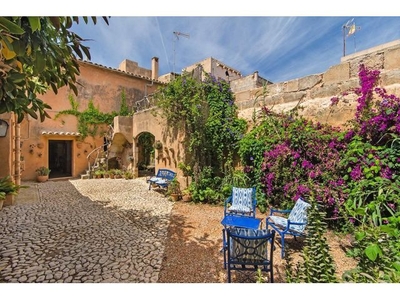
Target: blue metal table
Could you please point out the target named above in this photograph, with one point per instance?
(237, 221)
(241, 221)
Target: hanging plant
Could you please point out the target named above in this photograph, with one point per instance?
(158, 145)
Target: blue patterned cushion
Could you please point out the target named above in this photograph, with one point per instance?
(247, 249)
(241, 200)
(249, 232)
(298, 215)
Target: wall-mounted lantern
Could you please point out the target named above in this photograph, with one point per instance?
(3, 128)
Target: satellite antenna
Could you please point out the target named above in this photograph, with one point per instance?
(177, 34)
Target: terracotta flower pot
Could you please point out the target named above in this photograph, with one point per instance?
(42, 178)
(174, 197)
(187, 198)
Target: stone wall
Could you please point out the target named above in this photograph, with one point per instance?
(247, 83)
(314, 92)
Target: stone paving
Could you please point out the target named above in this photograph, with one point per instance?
(94, 230)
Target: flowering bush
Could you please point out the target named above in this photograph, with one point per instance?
(353, 174)
(297, 157)
(370, 168)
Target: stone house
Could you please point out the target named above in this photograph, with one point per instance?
(56, 142)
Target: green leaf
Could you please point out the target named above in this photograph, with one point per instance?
(16, 77)
(396, 265)
(35, 23)
(30, 112)
(54, 87)
(86, 51)
(73, 87)
(372, 251)
(20, 116)
(360, 235)
(11, 27)
(39, 63)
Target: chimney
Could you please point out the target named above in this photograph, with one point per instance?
(255, 75)
(154, 68)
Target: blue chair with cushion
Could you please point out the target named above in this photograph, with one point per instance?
(250, 250)
(242, 201)
(295, 224)
(162, 178)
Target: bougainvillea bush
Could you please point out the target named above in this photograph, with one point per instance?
(353, 173)
(291, 156)
(370, 167)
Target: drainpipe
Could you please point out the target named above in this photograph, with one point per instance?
(145, 88)
(17, 152)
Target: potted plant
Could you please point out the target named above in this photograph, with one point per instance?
(98, 173)
(118, 173)
(111, 173)
(174, 189)
(128, 175)
(159, 147)
(186, 195)
(7, 188)
(42, 174)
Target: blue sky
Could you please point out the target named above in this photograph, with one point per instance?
(282, 41)
(280, 48)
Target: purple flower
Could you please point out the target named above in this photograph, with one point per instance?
(334, 101)
(349, 135)
(356, 173)
(331, 200)
(386, 173)
(302, 189)
(306, 164)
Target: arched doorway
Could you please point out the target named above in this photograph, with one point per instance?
(146, 155)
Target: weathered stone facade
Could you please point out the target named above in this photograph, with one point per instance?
(314, 92)
(104, 86)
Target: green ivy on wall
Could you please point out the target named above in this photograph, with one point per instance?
(205, 111)
(91, 118)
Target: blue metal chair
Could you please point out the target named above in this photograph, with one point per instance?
(242, 201)
(250, 250)
(295, 224)
(162, 178)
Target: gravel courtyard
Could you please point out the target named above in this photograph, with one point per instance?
(100, 230)
(119, 231)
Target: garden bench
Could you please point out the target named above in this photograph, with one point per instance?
(162, 178)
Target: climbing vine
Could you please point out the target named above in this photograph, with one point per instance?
(91, 118)
(205, 111)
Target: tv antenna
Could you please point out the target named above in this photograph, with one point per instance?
(177, 34)
(349, 29)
